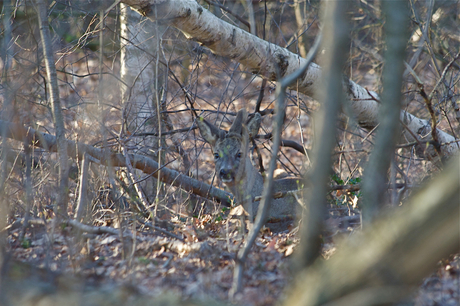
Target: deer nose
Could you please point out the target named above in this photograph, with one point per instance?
(225, 174)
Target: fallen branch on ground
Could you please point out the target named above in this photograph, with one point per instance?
(147, 165)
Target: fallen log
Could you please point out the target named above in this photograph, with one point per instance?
(147, 165)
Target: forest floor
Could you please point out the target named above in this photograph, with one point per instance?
(198, 263)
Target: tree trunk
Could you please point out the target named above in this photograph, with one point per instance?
(53, 90)
(141, 71)
(375, 174)
(336, 43)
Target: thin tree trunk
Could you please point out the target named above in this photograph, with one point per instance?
(5, 114)
(53, 91)
(82, 202)
(375, 175)
(300, 23)
(337, 43)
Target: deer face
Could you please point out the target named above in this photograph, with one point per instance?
(230, 148)
(229, 157)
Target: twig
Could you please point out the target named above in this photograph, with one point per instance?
(188, 129)
(28, 185)
(261, 95)
(163, 231)
(450, 93)
(429, 106)
(434, 133)
(230, 12)
(443, 75)
(427, 22)
(82, 190)
(131, 179)
(286, 143)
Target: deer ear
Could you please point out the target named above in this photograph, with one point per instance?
(254, 125)
(209, 132)
(237, 125)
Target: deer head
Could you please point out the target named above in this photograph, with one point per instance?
(231, 148)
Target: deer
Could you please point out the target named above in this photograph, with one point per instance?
(236, 171)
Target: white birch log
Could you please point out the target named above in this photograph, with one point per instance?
(264, 58)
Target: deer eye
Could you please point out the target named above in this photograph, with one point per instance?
(216, 156)
(238, 155)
